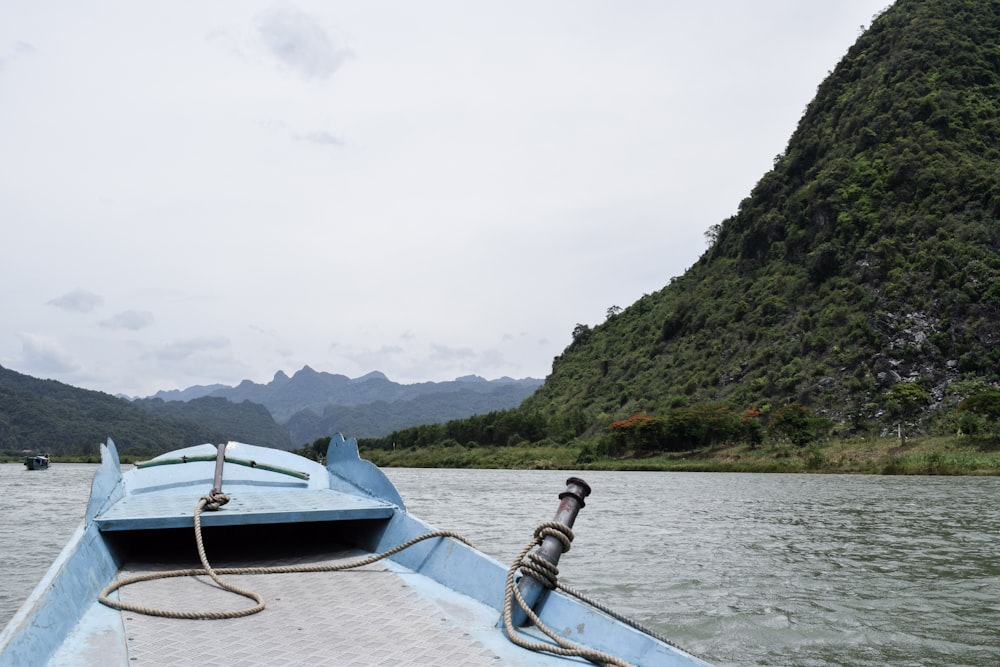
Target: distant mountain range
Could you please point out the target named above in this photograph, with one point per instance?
(312, 404)
(287, 413)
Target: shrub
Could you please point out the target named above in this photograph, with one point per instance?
(793, 421)
(980, 412)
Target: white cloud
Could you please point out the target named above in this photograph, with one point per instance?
(320, 137)
(78, 300)
(132, 320)
(184, 349)
(448, 354)
(300, 43)
(15, 53)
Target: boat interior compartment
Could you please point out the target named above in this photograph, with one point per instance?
(246, 544)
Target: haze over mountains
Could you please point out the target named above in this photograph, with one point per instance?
(312, 404)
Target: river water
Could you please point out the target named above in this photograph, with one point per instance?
(755, 569)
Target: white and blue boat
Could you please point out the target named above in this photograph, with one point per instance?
(242, 555)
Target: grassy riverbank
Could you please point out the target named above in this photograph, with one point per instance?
(872, 456)
(920, 456)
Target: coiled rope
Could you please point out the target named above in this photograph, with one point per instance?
(214, 501)
(530, 563)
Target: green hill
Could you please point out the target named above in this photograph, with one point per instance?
(856, 292)
(49, 416)
(243, 422)
(869, 254)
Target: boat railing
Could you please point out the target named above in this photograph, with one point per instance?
(229, 459)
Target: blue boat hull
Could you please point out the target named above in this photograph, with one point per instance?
(136, 517)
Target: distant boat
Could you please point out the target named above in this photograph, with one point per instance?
(339, 571)
(36, 462)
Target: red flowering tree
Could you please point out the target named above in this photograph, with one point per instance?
(640, 433)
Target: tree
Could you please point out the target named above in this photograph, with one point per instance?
(581, 332)
(905, 401)
(640, 432)
(985, 405)
(712, 234)
(316, 451)
(794, 422)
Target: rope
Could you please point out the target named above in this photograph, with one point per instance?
(213, 501)
(548, 574)
(532, 564)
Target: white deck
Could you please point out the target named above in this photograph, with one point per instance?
(336, 618)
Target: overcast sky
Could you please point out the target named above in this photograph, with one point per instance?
(201, 192)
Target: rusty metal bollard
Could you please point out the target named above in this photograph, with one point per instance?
(571, 502)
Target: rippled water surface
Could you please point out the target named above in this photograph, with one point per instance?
(808, 570)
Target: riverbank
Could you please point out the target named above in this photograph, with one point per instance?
(868, 456)
(880, 456)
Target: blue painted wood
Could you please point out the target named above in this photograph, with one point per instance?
(349, 471)
(447, 561)
(472, 573)
(196, 477)
(250, 505)
(68, 588)
(583, 625)
(107, 487)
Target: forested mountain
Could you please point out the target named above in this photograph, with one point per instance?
(382, 417)
(49, 416)
(868, 256)
(315, 404)
(243, 422)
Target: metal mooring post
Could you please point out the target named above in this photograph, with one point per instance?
(220, 460)
(571, 502)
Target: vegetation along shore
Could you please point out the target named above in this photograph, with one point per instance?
(928, 456)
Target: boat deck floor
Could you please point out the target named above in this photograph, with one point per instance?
(379, 614)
